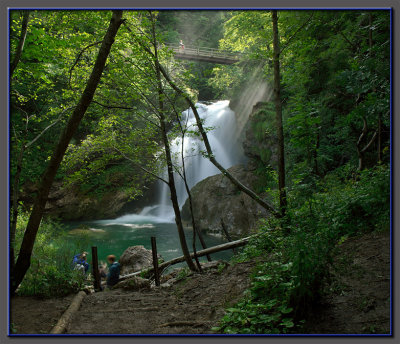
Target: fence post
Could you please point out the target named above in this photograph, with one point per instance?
(155, 260)
(95, 269)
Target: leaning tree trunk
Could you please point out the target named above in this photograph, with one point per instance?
(171, 181)
(21, 42)
(278, 109)
(24, 257)
(190, 203)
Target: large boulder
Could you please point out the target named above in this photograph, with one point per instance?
(135, 258)
(216, 198)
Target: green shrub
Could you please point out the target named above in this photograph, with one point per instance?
(50, 272)
(297, 250)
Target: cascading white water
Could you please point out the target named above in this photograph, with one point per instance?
(224, 144)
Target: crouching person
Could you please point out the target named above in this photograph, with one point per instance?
(79, 262)
(113, 271)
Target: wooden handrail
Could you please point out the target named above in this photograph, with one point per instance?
(203, 51)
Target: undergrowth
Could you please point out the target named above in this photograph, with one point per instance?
(50, 273)
(295, 252)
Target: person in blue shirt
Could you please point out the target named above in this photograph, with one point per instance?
(113, 271)
(79, 262)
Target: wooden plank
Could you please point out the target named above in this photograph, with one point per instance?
(214, 249)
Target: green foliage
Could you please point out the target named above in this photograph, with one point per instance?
(333, 78)
(51, 273)
(183, 274)
(296, 251)
(361, 204)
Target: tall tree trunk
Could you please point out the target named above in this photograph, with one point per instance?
(195, 230)
(21, 42)
(183, 176)
(171, 181)
(24, 257)
(278, 109)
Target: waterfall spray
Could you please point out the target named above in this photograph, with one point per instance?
(223, 139)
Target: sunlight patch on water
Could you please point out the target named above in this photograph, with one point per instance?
(130, 225)
(136, 219)
(97, 230)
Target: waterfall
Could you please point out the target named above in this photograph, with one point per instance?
(224, 144)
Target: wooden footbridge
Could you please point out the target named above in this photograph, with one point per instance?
(204, 54)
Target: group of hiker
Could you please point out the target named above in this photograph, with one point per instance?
(112, 276)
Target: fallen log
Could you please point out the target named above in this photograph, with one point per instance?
(66, 317)
(214, 249)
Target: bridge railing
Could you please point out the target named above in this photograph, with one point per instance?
(204, 51)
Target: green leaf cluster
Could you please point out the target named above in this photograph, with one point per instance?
(296, 252)
(51, 273)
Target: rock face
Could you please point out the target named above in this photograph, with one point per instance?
(260, 140)
(216, 198)
(70, 204)
(135, 258)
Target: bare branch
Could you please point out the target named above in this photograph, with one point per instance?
(370, 142)
(297, 31)
(353, 46)
(48, 127)
(364, 132)
(77, 59)
(138, 165)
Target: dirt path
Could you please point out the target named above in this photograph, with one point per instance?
(36, 315)
(192, 305)
(357, 300)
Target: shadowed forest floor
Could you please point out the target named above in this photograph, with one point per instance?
(356, 300)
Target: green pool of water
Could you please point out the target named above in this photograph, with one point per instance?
(114, 236)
